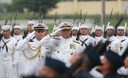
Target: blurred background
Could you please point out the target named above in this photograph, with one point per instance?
(54, 11)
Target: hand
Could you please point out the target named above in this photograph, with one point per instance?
(55, 33)
(30, 35)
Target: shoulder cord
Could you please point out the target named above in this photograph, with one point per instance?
(38, 54)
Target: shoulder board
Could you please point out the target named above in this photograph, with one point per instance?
(57, 38)
(76, 41)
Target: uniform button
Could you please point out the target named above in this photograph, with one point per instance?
(57, 51)
(64, 53)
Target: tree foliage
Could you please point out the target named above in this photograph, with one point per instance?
(35, 5)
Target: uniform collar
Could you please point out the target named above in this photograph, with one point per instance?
(111, 38)
(17, 37)
(6, 39)
(122, 37)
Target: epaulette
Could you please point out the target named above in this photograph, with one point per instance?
(56, 38)
(76, 41)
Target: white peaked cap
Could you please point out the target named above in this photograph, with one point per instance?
(41, 24)
(99, 28)
(84, 26)
(17, 26)
(63, 23)
(110, 27)
(6, 27)
(46, 27)
(75, 28)
(32, 22)
(121, 27)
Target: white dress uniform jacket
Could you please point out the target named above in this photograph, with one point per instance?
(7, 57)
(123, 44)
(114, 44)
(63, 49)
(100, 39)
(33, 55)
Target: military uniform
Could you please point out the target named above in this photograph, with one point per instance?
(114, 44)
(100, 39)
(7, 56)
(86, 39)
(77, 29)
(124, 41)
(33, 54)
(62, 48)
(26, 33)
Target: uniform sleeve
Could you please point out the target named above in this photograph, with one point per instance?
(123, 48)
(22, 45)
(115, 46)
(44, 41)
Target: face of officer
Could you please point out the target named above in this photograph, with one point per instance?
(105, 66)
(17, 31)
(6, 34)
(84, 31)
(48, 72)
(110, 32)
(120, 32)
(74, 32)
(98, 32)
(66, 33)
(30, 28)
(39, 34)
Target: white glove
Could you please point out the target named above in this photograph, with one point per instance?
(55, 33)
(30, 35)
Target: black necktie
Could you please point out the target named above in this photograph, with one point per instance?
(5, 45)
(83, 42)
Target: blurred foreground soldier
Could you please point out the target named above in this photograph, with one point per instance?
(63, 47)
(110, 63)
(32, 53)
(124, 69)
(7, 54)
(30, 28)
(114, 42)
(53, 68)
(74, 31)
(123, 39)
(84, 35)
(99, 35)
(90, 60)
